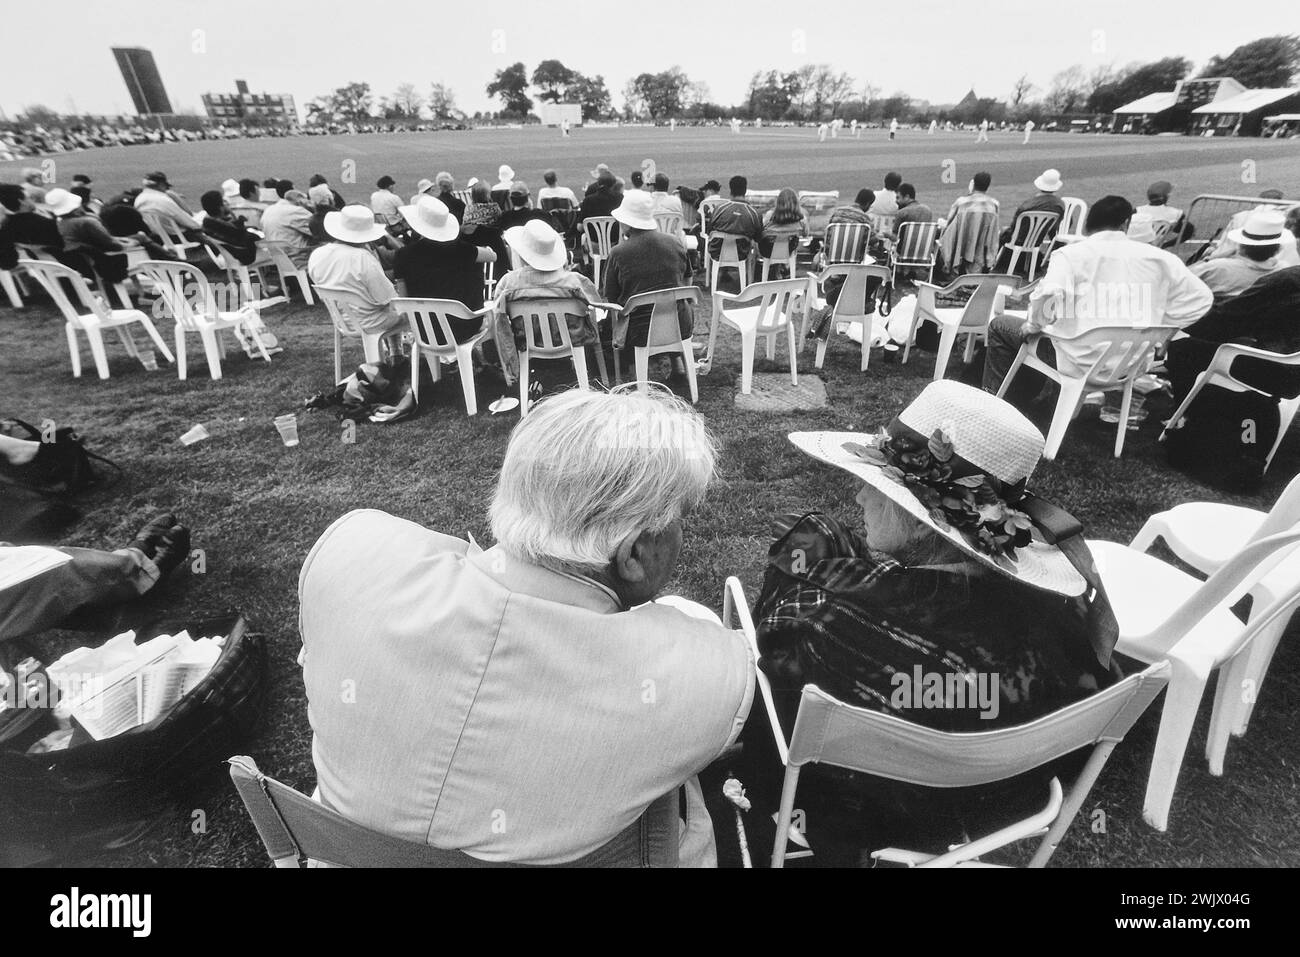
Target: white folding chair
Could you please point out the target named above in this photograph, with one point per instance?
(599, 232)
(827, 731)
(917, 248)
(466, 196)
(184, 293)
(286, 268)
(173, 240)
(664, 333)
(546, 336)
(728, 258)
(1166, 614)
(433, 339)
(342, 305)
(1123, 354)
(1071, 228)
(785, 252)
(846, 243)
(96, 318)
(1029, 238)
(971, 320)
(850, 307)
(761, 309)
(1219, 372)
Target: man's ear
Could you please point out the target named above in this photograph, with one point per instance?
(627, 557)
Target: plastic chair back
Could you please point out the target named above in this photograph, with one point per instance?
(1031, 229)
(601, 232)
(183, 289)
(664, 329)
(51, 276)
(1126, 352)
(917, 244)
(342, 304)
(1076, 211)
(670, 223)
(545, 324)
(429, 321)
(850, 305)
(775, 302)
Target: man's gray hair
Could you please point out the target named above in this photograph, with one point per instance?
(586, 469)
(444, 177)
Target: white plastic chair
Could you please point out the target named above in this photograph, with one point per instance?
(546, 334)
(599, 233)
(237, 272)
(489, 281)
(728, 258)
(286, 268)
(761, 309)
(173, 240)
(1071, 228)
(1164, 613)
(184, 293)
(341, 303)
(95, 320)
(849, 307)
(1125, 353)
(917, 248)
(1029, 238)
(828, 731)
(1219, 372)
(670, 224)
(429, 323)
(664, 334)
(971, 320)
(790, 244)
(9, 283)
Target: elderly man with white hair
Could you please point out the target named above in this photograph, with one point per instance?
(528, 702)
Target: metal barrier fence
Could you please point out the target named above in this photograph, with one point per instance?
(1208, 216)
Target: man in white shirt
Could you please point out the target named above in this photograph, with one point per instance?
(1104, 280)
(1157, 211)
(886, 203)
(385, 203)
(526, 703)
(552, 191)
(1029, 128)
(288, 222)
(157, 199)
(349, 263)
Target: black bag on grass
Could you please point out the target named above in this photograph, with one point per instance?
(62, 464)
(100, 795)
(1225, 438)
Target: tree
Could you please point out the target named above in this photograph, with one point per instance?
(1137, 80)
(511, 87)
(592, 93)
(1068, 92)
(351, 103)
(40, 114)
(769, 95)
(1263, 63)
(554, 79)
(1021, 90)
(658, 94)
(442, 102)
(405, 101)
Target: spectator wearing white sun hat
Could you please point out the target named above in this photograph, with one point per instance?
(349, 263)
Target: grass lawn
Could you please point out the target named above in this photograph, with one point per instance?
(256, 507)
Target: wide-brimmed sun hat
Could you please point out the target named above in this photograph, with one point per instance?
(1263, 227)
(61, 202)
(538, 245)
(983, 436)
(230, 188)
(431, 219)
(1049, 181)
(353, 224)
(637, 211)
(424, 185)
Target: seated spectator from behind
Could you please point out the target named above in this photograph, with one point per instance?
(977, 198)
(123, 220)
(514, 679)
(268, 194)
(602, 200)
(711, 196)
(1045, 200)
(666, 202)
(886, 203)
(644, 260)
(81, 180)
(222, 225)
(440, 263)
(446, 193)
(856, 211)
(909, 210)
(521, 208)
(22, 224)
(350, 263)
(288, 221)
(541, 274)
(481, 211)
(784, 222)
(158, 199)
(1287, 255)
(970, 237)
(385, 203)
(734, 217)
(1257, 243)
(246, 204)
(336, 199)
(33, 185)
(601, 172)
(85, 237)
(551, 192)
(1078, 293)
(1156, 211)
(500, 193)
(424, 187)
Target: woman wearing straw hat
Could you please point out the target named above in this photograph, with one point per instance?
(541, 274)
(440, 263)
(951, 585)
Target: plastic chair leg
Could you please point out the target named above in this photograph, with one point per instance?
(158, 341)
(97, 350)
(1126, 402)
(1186, 404)
(523, 384)
(688, 359)
(1146, 537)
(788, 789)
(580, 368)
(11, 289)
(794, 351)
(1182, 699)
(338, 356)
(415, 371)
(212, 349)
(1011, 373)
(182, 360)
(305, 285)
(1259, 657)
(747, 344)
(947, 339)
(1288, 408)
(74, 349)
(465, 366)
(600, 362)
(641, 360)
(1066, 404)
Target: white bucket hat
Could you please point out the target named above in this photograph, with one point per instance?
(987, 436)
(432, 219)
(61, 202)
(423, 186)
(321, 195)
(1049, 181)
(230, 188)
(353, 224)
(1263, 227)
(637, 210)
(505, 174)
(538, 245)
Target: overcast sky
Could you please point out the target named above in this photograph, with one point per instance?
(932, 49)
